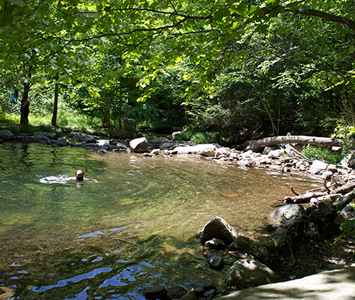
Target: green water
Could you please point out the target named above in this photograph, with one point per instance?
(134, 227)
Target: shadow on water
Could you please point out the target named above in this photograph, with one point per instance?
(136, 226)
(120, 268)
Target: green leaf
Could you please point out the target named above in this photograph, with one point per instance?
(222, 12)
(347, 226)
(242, 9)
(17, 2)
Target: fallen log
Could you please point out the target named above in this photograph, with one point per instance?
(346, 188)
(307, 196)
(295, 139)
(304, 198)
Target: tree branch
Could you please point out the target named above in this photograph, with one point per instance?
(320, 14)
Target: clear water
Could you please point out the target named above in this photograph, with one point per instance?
(136, 226)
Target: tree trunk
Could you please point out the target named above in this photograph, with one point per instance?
(25, 104)
(55, 108)
(296, 139)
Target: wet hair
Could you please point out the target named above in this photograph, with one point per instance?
(79, 171)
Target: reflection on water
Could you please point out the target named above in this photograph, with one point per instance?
(135, 227)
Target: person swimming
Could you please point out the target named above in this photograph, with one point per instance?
(79, 177)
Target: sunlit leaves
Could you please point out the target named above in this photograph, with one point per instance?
(241, 9)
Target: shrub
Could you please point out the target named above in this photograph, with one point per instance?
(322, 153)
(347, 134)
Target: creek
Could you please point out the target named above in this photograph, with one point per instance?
(135, 227)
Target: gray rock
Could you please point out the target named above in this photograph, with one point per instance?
(160, 140)
(176, 292)
(103, 142)
(139, 145)
(202, 283)
(286, 215)
(90, 140)
(215, 261)
(217, 244)
(168, 145)
(334, 285)
(218, 228)
(156, 292)
(113, 142)
(245, 163)
(199, 291)
(226, 152)
(189, 296)
(44, 135)
(210, 293)
(155, 152)
(61, 142)
(241, 243)
(6, 135)
(208, 150)
(250, 272)
(90, 145)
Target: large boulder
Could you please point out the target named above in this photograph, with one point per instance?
(217, 228)
(202, 149)
(250, 272)
(139, 145)
(286, 215)
(6, 135)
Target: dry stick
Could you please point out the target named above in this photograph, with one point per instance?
(293, 191)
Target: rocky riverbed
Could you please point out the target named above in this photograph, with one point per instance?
(301, 235)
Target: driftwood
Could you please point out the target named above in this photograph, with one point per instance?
(346, 188)
(296, 139)
(304, 198)
(325, 191)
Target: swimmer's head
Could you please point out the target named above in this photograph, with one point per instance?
(79, 175)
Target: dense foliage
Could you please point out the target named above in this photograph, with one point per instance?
(237, 69)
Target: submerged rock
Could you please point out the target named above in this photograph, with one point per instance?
(156, 292)
(216, 261)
